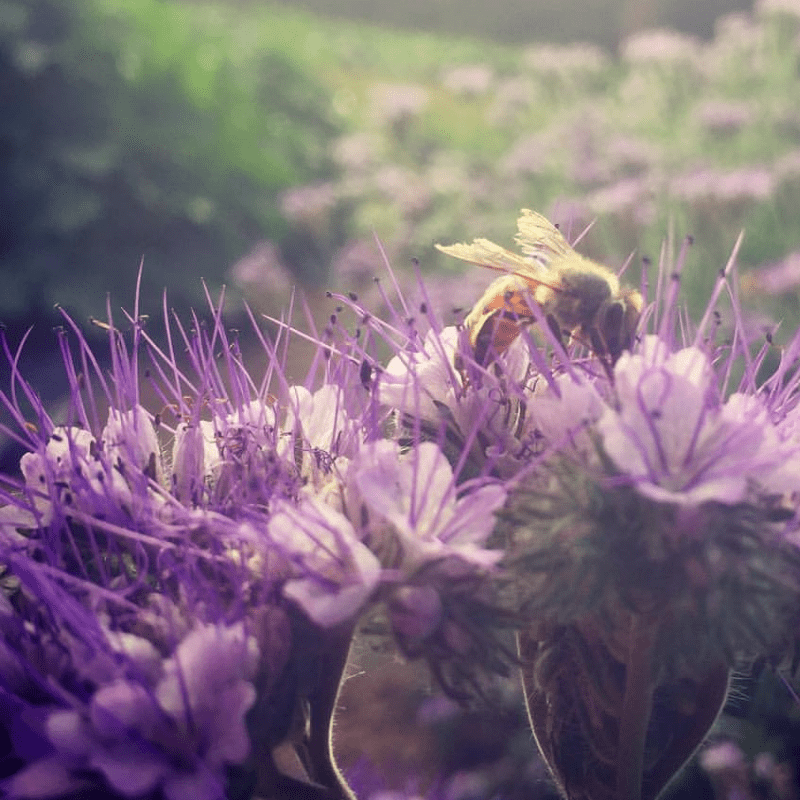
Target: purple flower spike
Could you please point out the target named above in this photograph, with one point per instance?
(656, 487)
(147, 619)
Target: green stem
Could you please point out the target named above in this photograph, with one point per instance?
(637, 706)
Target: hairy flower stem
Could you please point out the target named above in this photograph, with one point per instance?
(637, 707)
(302, 766)
(322, 705)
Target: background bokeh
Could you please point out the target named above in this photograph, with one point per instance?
(240, 142)
(265, 145)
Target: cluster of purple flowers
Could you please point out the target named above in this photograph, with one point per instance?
(180, 586)
(174, 581)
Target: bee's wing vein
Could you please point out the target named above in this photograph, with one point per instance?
(538, 238)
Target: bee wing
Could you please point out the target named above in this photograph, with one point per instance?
(484, 253)
(538, 238)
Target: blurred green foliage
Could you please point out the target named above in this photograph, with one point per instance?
(604, 22)
(186, 132)
(142, 130)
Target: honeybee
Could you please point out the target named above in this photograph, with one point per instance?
(578, 297)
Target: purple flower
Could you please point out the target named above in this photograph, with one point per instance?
(658, 487)
(680, 442)
(429, 393)
(178, 734)
(562, 413)
(43, 778)
(724, 117)
(661, 48)
(468, 80)
(172, 723)
(431, 535)
(325, 435)
(392, 103)
(334, 574)
(776, 278)
(416, 494)
(743, 185)
(131, 442)
(415, 382)
(152, 593)
(76, 472)
(68, 453)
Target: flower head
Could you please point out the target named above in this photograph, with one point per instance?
(155, 598)
(177, 572)
(662, 489)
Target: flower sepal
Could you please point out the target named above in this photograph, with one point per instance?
(609, 724)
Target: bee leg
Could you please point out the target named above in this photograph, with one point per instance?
(556, 329)
(483, 339)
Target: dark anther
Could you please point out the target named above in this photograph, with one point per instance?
(150, 469)
(365, 374)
